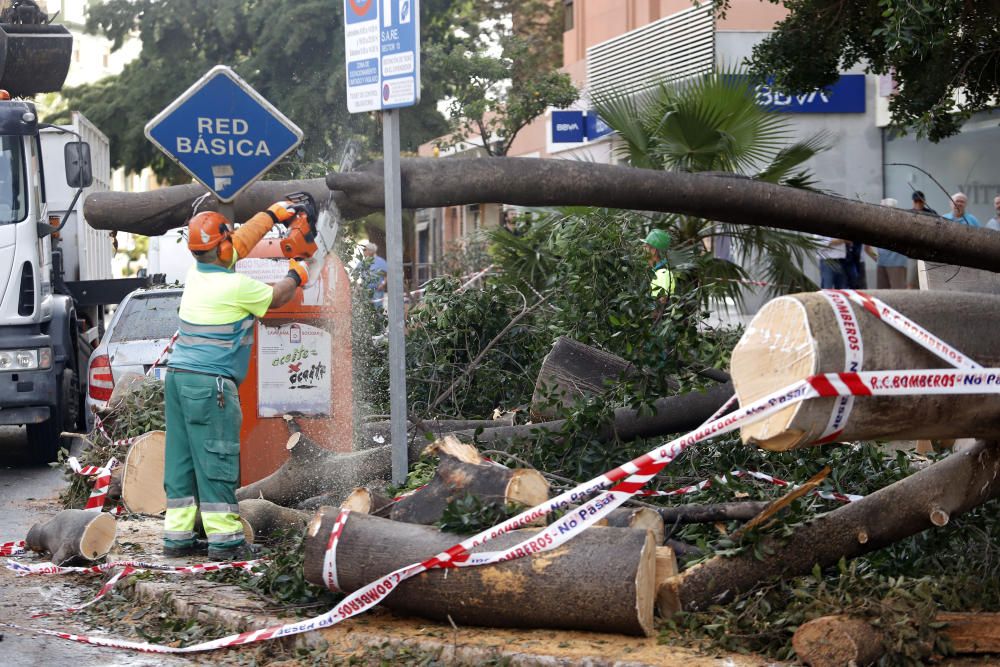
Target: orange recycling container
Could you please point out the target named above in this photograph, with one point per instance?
(300, 364)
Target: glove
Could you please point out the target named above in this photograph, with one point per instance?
(298, 272)
(282, 211)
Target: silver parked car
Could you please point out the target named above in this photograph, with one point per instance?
(138, 333)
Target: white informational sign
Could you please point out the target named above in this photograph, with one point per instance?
(271, 271)
(382, 48)
(293, 369)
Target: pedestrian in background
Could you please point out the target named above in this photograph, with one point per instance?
(919, 206)
(890, 266)
(958, 214)
(994, 223)
(378, 270)
(831, 255)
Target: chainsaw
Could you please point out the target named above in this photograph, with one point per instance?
(312, 233)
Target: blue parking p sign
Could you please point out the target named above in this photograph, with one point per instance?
(223, 133)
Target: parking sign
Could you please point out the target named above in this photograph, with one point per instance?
(382, 49)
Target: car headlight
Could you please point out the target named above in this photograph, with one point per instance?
(25, 360)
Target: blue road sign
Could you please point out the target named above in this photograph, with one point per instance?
(382, 48)
(223, 133)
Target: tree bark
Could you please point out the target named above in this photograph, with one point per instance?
(142, 475)
(460, 472)
(266, 519)
(429, 182)
(673, 414)
(712, 513)
(811, 343)
(602, 580)
(948, 488)
(314, 471)
(73, 534)
(570, 371)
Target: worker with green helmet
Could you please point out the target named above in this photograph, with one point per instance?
(662, 285)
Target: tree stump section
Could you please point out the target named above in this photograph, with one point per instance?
(73, 534)
(836, 641)
(313, 471)
(601, 580)
(793, 337)
(462, 472)
(572, 370)
(266, 519)
(142, 475)
(366, 500)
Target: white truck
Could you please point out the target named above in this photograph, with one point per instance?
(55, 271)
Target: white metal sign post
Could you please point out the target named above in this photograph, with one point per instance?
(382, 48)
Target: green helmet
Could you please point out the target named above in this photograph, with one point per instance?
(659, 239)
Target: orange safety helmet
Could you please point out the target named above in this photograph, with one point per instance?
(208, 230)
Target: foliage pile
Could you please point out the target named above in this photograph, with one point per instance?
(140, 411)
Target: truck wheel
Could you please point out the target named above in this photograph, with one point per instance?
(44, 438)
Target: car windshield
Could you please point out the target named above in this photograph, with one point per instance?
(13, 202)
(147, 317)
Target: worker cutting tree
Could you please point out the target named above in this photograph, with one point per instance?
(210, 360)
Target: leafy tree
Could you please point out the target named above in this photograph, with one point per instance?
(712, 124)
(291, 52)
(501, 70)
(943, 54)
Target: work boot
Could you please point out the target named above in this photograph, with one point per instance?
(242, 551)
(195, 548)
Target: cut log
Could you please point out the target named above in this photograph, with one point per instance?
(672, 414)
(142, 475)
(602, 580)
(951, 278)
(460, 472)
(712, 513)
(833, 641)
(367, 500)
(837, 641)
(73, 534)
(266, 519)
(955, 485)
(312, 471)
(572, 370)
(641, 518)
(810, 342)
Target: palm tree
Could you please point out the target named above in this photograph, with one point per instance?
(712, 124)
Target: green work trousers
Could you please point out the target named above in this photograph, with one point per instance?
(202, 466)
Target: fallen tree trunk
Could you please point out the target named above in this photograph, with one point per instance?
(266, 519)
(461, 472)
(312, 471)
(367, 501)
(834, 641)
(429, 182)
(673, 414)
(572, 370)
(927, 498)
(711, 513)
(811, 343)
(73, 534)
(142, 475)
(602, 580)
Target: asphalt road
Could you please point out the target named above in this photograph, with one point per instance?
(28, 493)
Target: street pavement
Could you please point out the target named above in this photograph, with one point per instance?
(28, 493)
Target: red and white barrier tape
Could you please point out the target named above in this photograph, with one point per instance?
(100, 491)
(706, 483)
(12, 548)
(167, 350)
